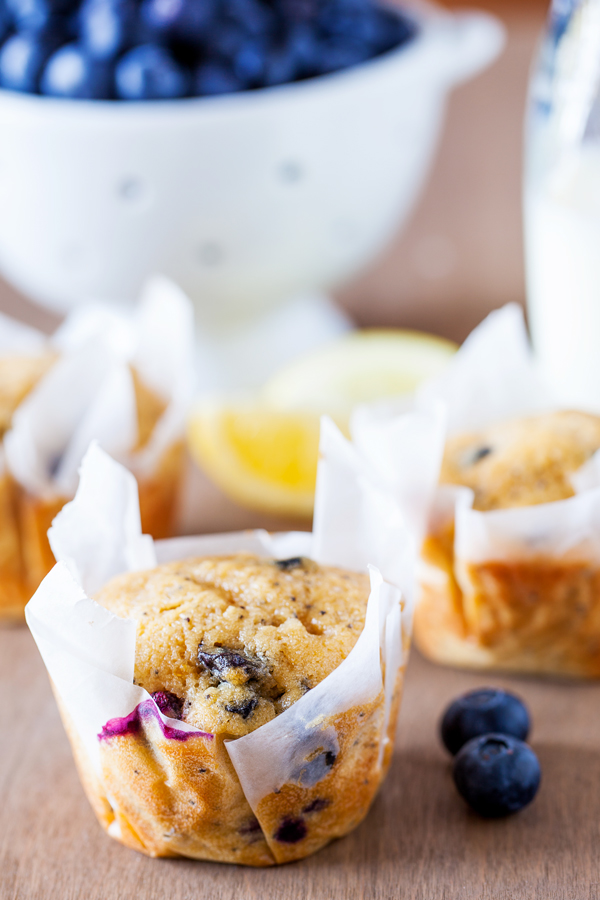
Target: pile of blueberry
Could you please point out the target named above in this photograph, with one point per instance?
(164, 49)
(495, 771)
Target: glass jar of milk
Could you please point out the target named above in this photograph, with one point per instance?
(562, 203)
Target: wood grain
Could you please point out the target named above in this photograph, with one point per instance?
(419, 841)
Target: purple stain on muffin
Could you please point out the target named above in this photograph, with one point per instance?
(291, 831)
(121, 726)
(132, 724)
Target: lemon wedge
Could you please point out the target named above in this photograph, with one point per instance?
(263, 451)
(263, 459)
(361, 367)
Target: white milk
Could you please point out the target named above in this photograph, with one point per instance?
(562, 239)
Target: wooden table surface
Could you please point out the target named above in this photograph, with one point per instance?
(419, 840)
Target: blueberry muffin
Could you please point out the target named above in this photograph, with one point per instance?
(227, 644)
(25, 554)
(532, 613)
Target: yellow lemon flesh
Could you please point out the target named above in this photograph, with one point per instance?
(361, 367)
(263, 452)
(261, 458)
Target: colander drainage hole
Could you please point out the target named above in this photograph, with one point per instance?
(131, 190)
(291, 171)
(210, 253)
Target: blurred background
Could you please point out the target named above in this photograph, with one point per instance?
(461, 253)
(459, 256)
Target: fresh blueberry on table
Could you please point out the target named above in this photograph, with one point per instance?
(150, 72)
(480, 712)
(496, 774)
(71, 73)
(22, 59)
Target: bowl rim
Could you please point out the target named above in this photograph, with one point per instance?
(426, 16)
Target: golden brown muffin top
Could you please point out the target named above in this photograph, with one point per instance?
(228, 642)
(19, 374)
(522, 462)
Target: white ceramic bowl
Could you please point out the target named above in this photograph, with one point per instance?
(242, 199)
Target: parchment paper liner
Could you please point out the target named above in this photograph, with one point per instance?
(512, 588)
(305, 777)
(90, 393)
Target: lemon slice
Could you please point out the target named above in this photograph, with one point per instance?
(263, 451)
(360, 367)
(263, 459)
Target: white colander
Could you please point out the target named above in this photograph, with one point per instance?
(244, 199)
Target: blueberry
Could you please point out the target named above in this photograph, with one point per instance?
(291, 831)
(305, 47)
(244, 708)
(245, 56)
(107, 27)
(340, 54)
(150, 72)
(497, 774)
(213, 77)
(225, 39)
(391, 29)
(180, 20)
(169, 704)
(72, 74)
(295, 562)
(482, 711)
(480, 454)
(220, 661)
(317, 805)
(281, 66)
(22, 59)
(5, 20)
(254, 17)
(299, 10)
(37, 15)
(250, 63)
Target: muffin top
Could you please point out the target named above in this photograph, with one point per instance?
(226, 643)
(522, 462)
